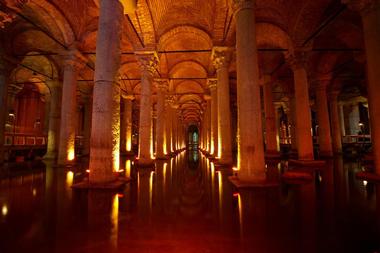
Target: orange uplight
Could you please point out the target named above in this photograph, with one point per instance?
(235, 169)
(119, 195)
(235, 194)
(88, 171)
(71, 154)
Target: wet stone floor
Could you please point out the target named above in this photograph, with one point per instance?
(186, 204)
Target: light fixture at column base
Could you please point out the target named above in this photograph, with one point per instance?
(368, 176)
(113, 185)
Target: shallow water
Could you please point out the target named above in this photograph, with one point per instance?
(187, 205)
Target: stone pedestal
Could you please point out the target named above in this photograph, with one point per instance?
(302, 107)
(74, 61)
(105, 131)
(251, 162)
(212, 84)
(54, 119)
(221, 59)
(148, 62)
(325, 145)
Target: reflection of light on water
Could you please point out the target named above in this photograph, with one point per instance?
(69, 178)
(220, 185)
(365, 183)
(114, 219)
(34, 192)
(4, 210)
(151, 190)
(240, 207)
(164, 175)
(128, 168)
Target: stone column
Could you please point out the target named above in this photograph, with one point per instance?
(74, 61)
(221, 58)
(87, 122)
(251, 162)
(370, 12)
(127, 125)
(270, 119)
(105, 130)
(303, 114)
(335, 122)
(292, 119)
(354, 118)
(148, 62)
(324, 132)
(208, 133)
(54, 119)
(162, 87)
(212, 84)
(168, 102)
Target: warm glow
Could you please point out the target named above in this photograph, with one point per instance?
(115, 219)
(235, 169)
(365, 183)
(128, 144)
(34, 192)
(220, 186)
(219, 151)
(4, 210)
(164, 175)
(116, 159)
(151, 189)
(88, 171)
(69, 178)
(128, 168)
(71, 154)
(240, 207)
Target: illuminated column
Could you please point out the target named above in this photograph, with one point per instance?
(221, 59)
(293, 123)
(54, 119)
(127, 124)
(370, 12)
(354, 118)
(208, 120)
(302, 108)
(3, 104)
(212, 84)
(174, 127)
(335, 122)
(87, 122)
(325, 146)
(105, 130)
(271, 130)
(341, 119)
(148, 62)
(74, 61)
(251, 162)
(162, 87)
(169, 111)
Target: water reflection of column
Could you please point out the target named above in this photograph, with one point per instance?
(341, 184)
(307, 217)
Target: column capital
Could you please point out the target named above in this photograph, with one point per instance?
(362, 6)
(170, 99)
(296, 60)
(221, 57)
(162, 84)
(73, 60)
(238, 5)
(212, 83)
(148, 61)
(128, 96)
(323, 81)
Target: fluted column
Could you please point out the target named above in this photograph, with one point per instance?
(162, 87)
(271, 130)
(303, 114)
(212, 84)
(105, 130)
(335, 122)
(324, 132)
(127, 125)
(74, 61)
(251, 163)
(54, 119)
(148, 62)
(370, 12)
(221, 59)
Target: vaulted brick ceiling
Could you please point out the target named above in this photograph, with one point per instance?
(48, 27)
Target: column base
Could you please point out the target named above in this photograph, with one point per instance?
(307, 163)
(368, 176)
(114, 185)
(50, 156)
(164, 157)
(252, 183)
(272, 155)
(297, 177)
(145, 164)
